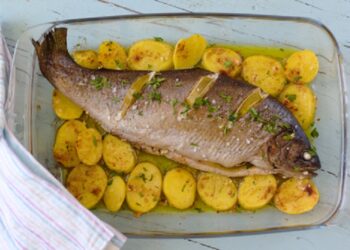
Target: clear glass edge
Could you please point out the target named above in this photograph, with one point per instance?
(343, 107)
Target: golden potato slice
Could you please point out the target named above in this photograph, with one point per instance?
(189, 51)
(265, 73)
(302, 67)
(144, 187)
(256, 191)
(217, 191)
(150, 55)
(179, 187)
(114, 195)
(301, 101)
(89, 146)
(296, 196)
(64, 108)
(112, 55)
(118, 155)
(222, 60)
(87, 184)
(64, 149)
(86, 58)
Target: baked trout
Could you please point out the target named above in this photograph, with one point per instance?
(211, 134)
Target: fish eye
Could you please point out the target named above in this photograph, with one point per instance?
(307, 156)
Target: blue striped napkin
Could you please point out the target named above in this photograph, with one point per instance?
(36, 211)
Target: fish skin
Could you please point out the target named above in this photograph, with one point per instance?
(195, 139)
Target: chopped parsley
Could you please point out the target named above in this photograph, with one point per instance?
(297, 78)
(94, 141)
(288, 137)
(100, 82)
(142, 176)
(198, 210)
(124, 82)
(200, 102)
(270, 127)
(226, 130)
(155, 96)
(158, 39)
(149, 66)
(312, 151)
(174, 102)
(314, 133)
(178, 84)
(227, 98)
(232, 117)
(187, 108)
(137, 95)
(228, 64)
(291, 98)
(156, 82)
(212, 108)
(119, 64)
(194, 144)
(254, 114)
(110, 181)
(116, 99)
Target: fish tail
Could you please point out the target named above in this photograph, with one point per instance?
(53, 43)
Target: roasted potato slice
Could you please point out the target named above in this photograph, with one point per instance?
(64, 149)
(118, 155)
(144, 187)
(256, 191)
(302, 67)
(150, 55)
(224, 60)
(296, 196)
(217, 191)
(86, 58)
(87, 184)
(114, 195)
(188, 51)
(64, 108)
(265, 73)
(301, 101)
(89, 146)
(111, 55)
(179, 187)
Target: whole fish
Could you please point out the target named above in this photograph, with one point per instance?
(208, 135)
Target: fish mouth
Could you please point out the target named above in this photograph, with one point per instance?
(292, 157)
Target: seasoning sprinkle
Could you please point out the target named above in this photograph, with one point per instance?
(291, 98)
(227, 64)
(158, 39)
(155, 96)
(227, 98)
(314, 133)
(100, 82)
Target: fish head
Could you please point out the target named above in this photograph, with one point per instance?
(292, 156)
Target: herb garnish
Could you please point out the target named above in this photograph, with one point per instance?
(288, 137)
(155, 96)
(254, 114)
(124, 82)
(119, 64)
(110, 181)
(227, 98)
(194, 144)
(174, 102)
(156, 81)
(291, 98)
(100, 82)
(137, 95)
(158, 39)
(142, 176)
(178, 84)
(94, 141)
(186, 109)
(297, 78)
(232, 117)
(227, 64)
(314, 133)
(200, 102)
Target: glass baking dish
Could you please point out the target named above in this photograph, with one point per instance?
(30, 116)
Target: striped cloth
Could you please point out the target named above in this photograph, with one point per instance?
(36, 211)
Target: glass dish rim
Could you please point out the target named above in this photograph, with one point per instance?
(343, 107)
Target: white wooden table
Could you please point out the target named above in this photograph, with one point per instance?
(17, 15)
